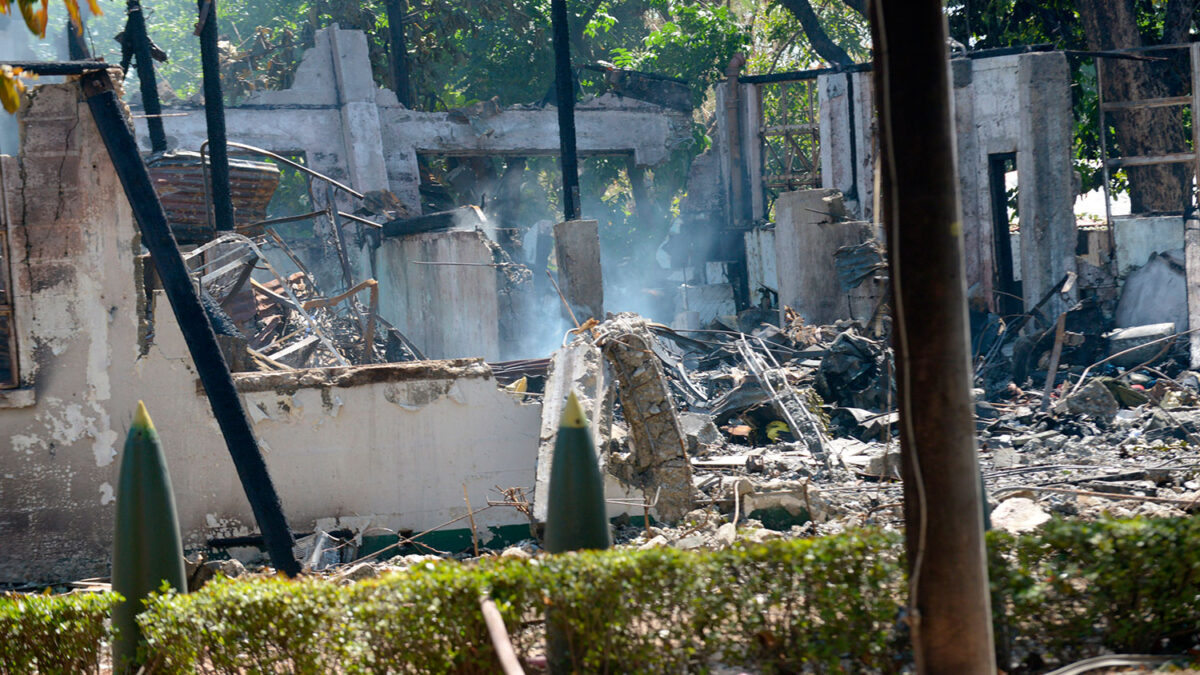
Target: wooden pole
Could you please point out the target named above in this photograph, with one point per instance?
(396, 9)
(949, 605)
(193, 321)
(564, 87)
(135, 30)
(214, 116)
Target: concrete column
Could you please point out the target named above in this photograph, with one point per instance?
(361, 131)
(577, 250)
(807, 234)
(845, 107)
(1044, 170)
(751, 101)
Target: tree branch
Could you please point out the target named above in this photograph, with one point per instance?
(821, 43)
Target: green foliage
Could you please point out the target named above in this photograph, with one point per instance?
(777, 606)
(260, 626)
(1124, 584)
(820, 605)
(53, 633)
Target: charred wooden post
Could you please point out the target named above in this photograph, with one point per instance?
(396, 9)
(76, 46)
(214, 115)
(193, 321)
(136, 36)
(949, 604)
(564, 88)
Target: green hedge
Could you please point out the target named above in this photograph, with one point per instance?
(625, 612)
(820, 605)
(1126, 585)
(53, 633)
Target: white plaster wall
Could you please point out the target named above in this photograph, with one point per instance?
(388, 445)
(760, 254)
(449, 311)
(838, 170)
(77, 330)
(1138, 237)
(382, 446)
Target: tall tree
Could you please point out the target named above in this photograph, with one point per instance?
(1115, 24)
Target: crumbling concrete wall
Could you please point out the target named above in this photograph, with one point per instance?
(384, 446)
(449, 308)
(388, 446)
(845, 104)
(77, 327)
(354, 131)
(808, 231)
(1003, 104)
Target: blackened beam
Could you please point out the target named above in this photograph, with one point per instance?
(135, 30)
(441, 221)
(564, 87)
(52, 68)
(214, 115)
(193, 321)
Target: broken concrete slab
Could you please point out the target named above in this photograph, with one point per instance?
(658, 461)
(580, 368)
(577, 250)
(1018, 514)
(1127, 338)
(1092, 399)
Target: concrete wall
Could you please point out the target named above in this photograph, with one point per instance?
(1003, 104)
(356, 132)
(447, 310)
(806, 237)
(1137, 238)
(77, 328)
(387, 445)
(854, 175)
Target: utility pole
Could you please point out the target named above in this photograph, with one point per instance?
(564, 88)
(396, 9)
(214, 115)
(949, 606)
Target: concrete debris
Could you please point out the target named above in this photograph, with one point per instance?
(658, 456)
(1019, 514)
(1093, 399)
(580, 368)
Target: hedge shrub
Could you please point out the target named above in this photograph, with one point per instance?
(819, 605)
(53, 633)
(1126, 585)
(625, 612)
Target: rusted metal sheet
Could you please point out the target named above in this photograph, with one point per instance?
(179, 180)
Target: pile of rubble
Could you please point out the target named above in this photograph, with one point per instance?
(793, 432)
(725, 436)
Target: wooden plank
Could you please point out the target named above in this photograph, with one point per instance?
(1148, 103)
(290, 349)
(1149, 160)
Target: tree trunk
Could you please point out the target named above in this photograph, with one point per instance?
(1112, 24)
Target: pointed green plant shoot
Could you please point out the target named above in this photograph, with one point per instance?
(147, 548)
(575, 515)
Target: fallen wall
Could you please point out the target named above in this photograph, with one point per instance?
(386, 446)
